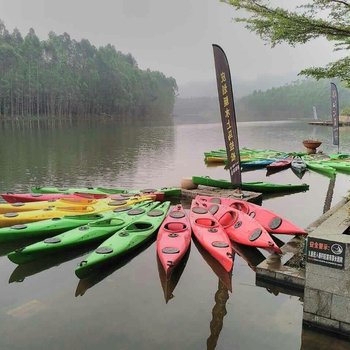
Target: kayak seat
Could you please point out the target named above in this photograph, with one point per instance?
(206, 222)
(175, 226)
(228, 219)
(139, 226)
(241, 207)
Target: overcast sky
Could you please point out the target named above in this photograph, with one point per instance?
(173, 37)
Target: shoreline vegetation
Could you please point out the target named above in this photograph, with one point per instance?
(65, 78)
(291, 101)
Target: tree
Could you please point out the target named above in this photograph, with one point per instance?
(318, 18)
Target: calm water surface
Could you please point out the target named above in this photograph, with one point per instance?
(44, 306)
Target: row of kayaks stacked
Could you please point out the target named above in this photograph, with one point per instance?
(215, 222)
(249, 157)
(328, 164)
(299, 161)
(32, 207)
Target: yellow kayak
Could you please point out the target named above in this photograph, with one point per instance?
(102, 205)
(59, 203)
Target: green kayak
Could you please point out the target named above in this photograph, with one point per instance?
(124, 240)
(46, 228)
(320, 167)
(257, 186)
(168, 191)
(93, 231)
(342, 166)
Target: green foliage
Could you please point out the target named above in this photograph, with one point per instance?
(319, 18)
(345, 111)
(291, 101)
(63, 77)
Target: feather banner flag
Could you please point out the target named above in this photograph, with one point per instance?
(228, 115)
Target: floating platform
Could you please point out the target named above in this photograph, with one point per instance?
(328, 123)
(248, 196)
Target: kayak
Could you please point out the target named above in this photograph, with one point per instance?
(46, 228)
(270, 221)
(258, 186)
(10, 197)
(298, 165)
(38, 197)
(342, 166)
(241, 228)
(259, 163)
(94, 231)
(320, 167)
(173, 239)
(168, 191)
(18, 218)
(280, 164)
(211, 235)
(59, 203)
(124, 240)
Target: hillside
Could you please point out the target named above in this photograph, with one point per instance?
(291, 101)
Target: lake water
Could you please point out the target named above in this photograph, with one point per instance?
(43, 305)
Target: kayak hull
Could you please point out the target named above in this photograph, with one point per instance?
(173, 239)
(257, 186)
(270, 221)
(242, 228)
(92, 232)
(124, 240)
(211, 235)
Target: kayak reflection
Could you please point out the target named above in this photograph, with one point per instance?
(100, 272)
(224, 276)
(251, 255)
(169, 284)
(33, 267)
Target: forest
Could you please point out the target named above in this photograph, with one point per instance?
(62, 77)
(290, 101)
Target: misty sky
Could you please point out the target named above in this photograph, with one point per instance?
(173, 37)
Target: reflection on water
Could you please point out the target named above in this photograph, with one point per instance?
(169, 284)
(128, 308)
(47, 262)
(314, 340)
(99, 274)
(224, 276)
(219, 311)
(251, 255)
(329, 195)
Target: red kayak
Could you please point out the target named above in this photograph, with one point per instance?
(280, 164)
(37, 197)
(211, 235)
(242, 228)
(174, 238)
(269, 220)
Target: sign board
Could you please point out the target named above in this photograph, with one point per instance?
(326, 253)
(228, 114)
(335, 113)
